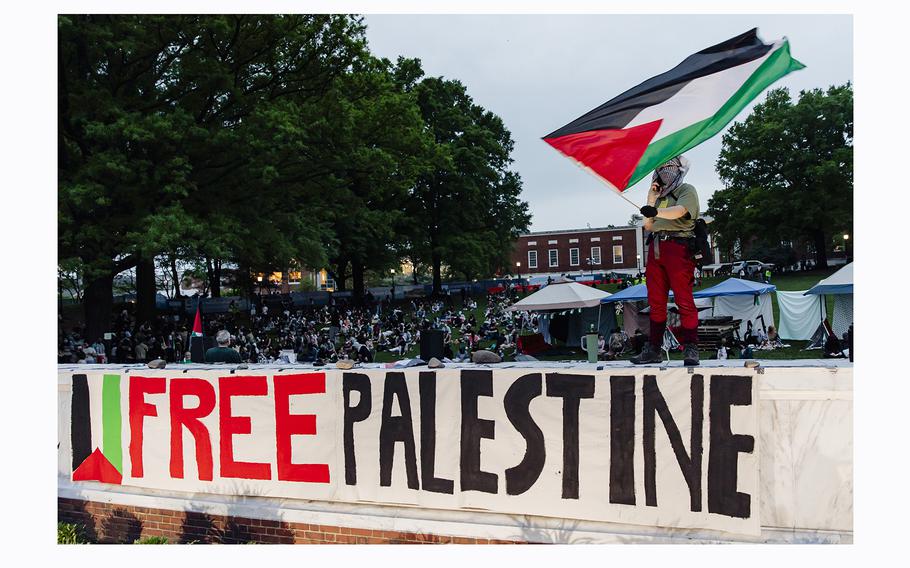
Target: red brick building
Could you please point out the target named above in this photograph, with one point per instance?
(579, 251)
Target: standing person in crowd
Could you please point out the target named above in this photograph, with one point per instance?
(223, 353)
(670, 216)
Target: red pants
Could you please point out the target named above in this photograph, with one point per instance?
(672, 270)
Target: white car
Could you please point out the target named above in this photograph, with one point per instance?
(751, 266)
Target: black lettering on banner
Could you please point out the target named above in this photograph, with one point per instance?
(723, 498)
(396, 429)
(360, 383)
(517, 406)
(428, 436)
(475, 383)
(622, 440)
(571, 388)
(690, 465)
(81, 421)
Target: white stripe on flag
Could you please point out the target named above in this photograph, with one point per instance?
(700, 99)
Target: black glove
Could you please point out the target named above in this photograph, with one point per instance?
(649, 211)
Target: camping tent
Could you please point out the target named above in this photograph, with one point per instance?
(573, 305)
(839, 285)
(742, 299)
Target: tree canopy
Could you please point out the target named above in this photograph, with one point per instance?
(788, 175)
(266, 142)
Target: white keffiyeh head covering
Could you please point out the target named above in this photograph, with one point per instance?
(670, 175)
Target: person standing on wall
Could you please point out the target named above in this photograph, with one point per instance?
(670, 216)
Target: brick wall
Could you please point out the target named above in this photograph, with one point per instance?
(583, 240)
(111, 523)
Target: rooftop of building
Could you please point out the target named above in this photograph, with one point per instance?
(584, 230)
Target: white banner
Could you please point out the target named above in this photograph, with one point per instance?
(642, 446)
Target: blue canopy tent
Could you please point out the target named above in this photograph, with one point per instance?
(744, 300)
(630, 294)
(841, 282)
(741, 299)
(736, 287)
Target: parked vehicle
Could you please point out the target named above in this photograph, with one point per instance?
(720, 269)
(751, 267)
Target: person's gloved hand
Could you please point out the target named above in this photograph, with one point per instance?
(649, 211)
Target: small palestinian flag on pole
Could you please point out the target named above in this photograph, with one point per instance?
(197, 325)
(629, 136)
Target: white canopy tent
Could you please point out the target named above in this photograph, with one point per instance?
(582, 305)
(561, 296)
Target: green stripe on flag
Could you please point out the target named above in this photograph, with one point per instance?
(112, 447)
(776, 66)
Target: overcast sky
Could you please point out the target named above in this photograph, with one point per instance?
(539, 72)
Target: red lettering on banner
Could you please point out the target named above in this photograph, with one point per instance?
(139, 409)
(287, 425)
(231, 425)
(190, 418)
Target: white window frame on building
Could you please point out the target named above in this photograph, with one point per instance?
(551, 255)
(532, 259)
(574, 252)
(615, 257)
(595, 256)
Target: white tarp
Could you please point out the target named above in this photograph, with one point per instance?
(615, 446)
(746, 308)
(561, 296)
(799, 315)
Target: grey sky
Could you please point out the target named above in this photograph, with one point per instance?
(539, 72)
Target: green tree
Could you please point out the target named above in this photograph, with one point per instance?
(466, 212)
(164, 126)
(376, 146)
(788, 174)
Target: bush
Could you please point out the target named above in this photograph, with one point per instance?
(70, 533)
(151, 540)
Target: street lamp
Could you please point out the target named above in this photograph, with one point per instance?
(846, 243)
(392, 272)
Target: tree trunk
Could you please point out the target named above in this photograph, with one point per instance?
(245, 281)
(357, 276)
(216, 278)
(175, 277)
(145, 289)
(821, 248)
(437, 274)
(341, 275)
(98, 303)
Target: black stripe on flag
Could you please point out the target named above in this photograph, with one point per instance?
(81, 423)
(619, 111)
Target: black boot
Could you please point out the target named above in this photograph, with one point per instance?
(648, 355)
(690, 355)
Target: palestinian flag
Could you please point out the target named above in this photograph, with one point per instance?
(96, 429)
(197, 324)
(627, 137)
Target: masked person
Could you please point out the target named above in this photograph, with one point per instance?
(670, 216)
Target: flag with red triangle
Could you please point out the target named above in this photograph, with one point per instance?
(626, 138)
(197, 324)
